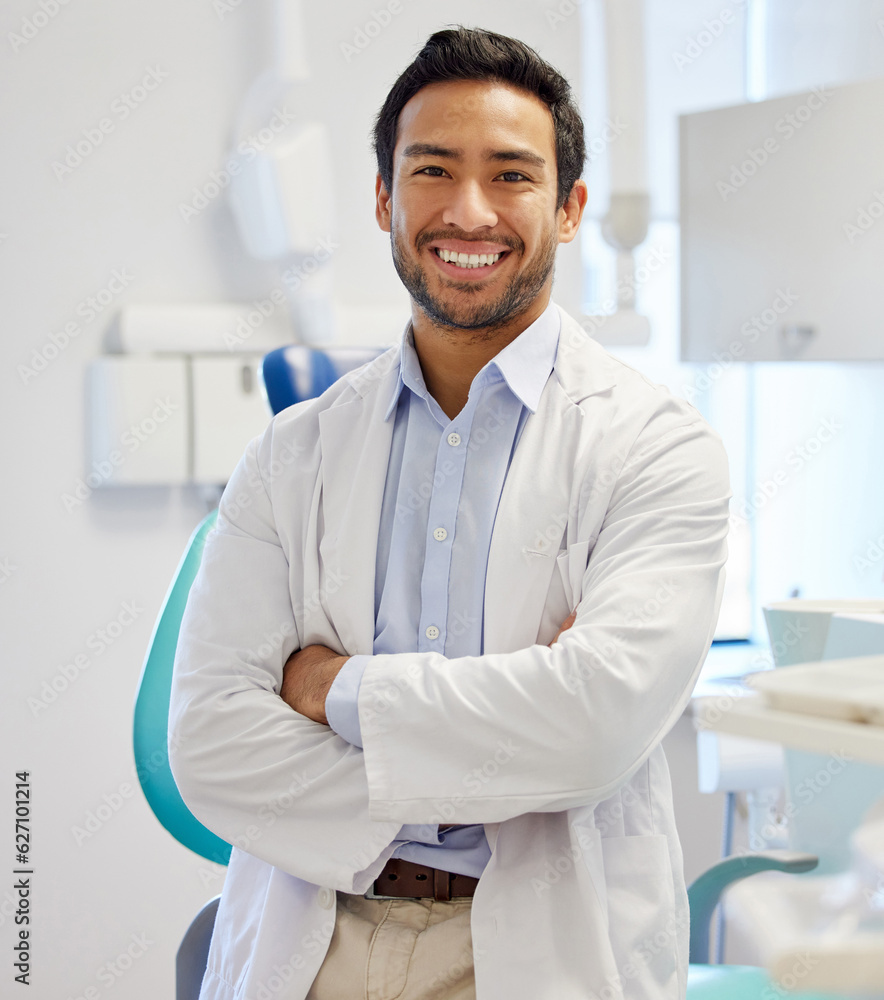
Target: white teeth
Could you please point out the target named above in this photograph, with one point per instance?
(468, 260)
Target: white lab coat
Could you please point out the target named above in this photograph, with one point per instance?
(616, 503)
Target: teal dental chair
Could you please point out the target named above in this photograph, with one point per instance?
(289, 375)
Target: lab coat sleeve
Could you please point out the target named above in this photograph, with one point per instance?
(258, 774)
(488, 738)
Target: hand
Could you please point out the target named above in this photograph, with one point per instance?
(306, 678)
(566, 624)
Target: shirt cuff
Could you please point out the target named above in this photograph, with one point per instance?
(342, 700)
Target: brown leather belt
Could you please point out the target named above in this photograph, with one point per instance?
(406, 880)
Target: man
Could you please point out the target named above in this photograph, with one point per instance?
(452, 607)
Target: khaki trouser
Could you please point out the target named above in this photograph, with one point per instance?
(398, 949)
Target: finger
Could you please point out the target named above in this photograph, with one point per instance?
(566, 624)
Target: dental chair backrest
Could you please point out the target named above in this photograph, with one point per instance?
(289, 375)
(292, 374)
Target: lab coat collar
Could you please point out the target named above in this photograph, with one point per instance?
(583, 368)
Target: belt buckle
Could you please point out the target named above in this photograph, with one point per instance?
(371, 894)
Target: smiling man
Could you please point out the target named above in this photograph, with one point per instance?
(426, 668)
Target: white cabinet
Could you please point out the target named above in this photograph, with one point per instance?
(782, 228)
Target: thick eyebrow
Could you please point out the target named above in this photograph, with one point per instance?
(525, 155)
(416, 149)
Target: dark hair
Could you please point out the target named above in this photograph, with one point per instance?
(475, 54)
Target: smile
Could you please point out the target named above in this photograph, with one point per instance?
(464, 264)
(468, 259)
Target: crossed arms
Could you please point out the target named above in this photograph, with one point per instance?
(580, 715)
(310, 672)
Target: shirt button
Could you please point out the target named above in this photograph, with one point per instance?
(454, 439)
(432, 632)
(440, 534)
(326, 898)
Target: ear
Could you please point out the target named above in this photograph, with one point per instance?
(571, 212)
(383, 210)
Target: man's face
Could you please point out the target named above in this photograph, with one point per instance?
(474, 172)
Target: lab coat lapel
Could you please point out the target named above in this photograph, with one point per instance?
(531, 520)
(535, 516)
(355, 441)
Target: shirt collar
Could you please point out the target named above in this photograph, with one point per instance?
(525, 363)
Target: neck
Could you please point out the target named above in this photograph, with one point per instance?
(450, 359)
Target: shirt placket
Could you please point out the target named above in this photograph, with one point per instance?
(448, 473)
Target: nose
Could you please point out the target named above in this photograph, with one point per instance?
(469, 207)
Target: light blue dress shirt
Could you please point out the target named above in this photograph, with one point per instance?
(442, 490)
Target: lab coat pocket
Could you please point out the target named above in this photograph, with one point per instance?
(642, 921)
(572, 565)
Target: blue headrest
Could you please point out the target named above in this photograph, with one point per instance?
(295, 373)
